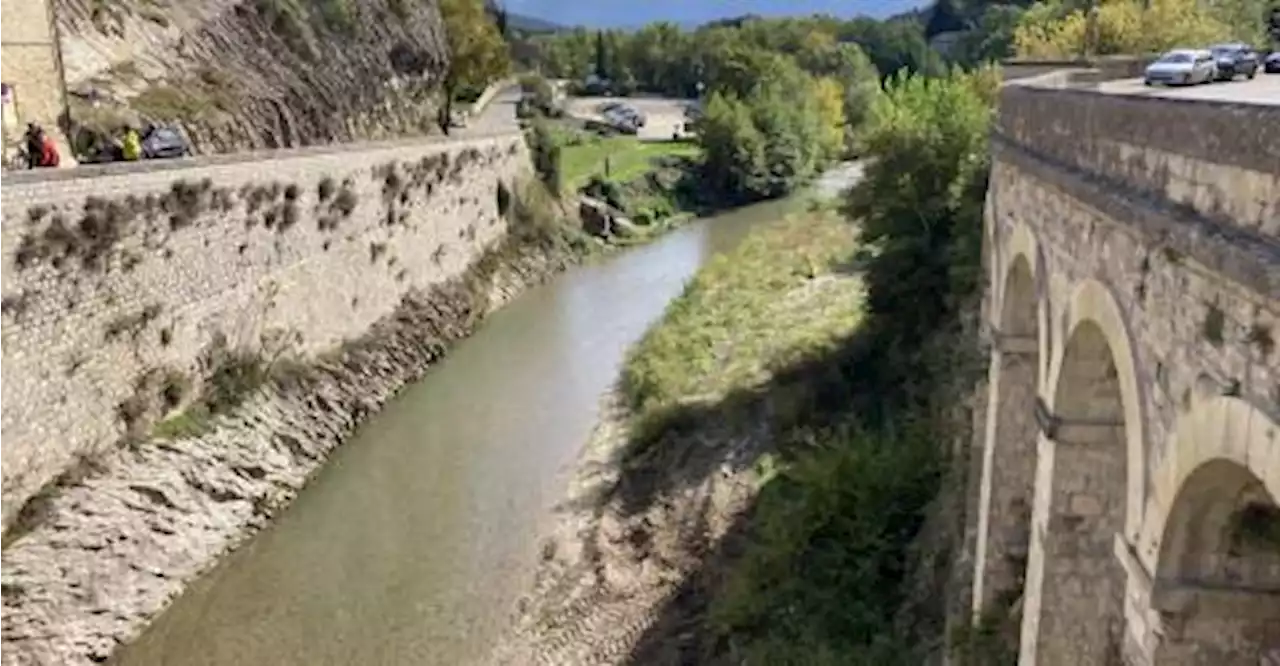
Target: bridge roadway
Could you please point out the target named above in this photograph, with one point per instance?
(498, 118)
(1263, 89)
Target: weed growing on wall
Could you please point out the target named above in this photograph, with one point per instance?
(132, 324)
(335, 204)
(93, 239)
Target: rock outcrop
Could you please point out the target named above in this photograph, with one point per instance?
(246, 74)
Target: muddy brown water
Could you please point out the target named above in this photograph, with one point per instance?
(413, 543)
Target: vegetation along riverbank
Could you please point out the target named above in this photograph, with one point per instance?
(768, 484)
(777, 104)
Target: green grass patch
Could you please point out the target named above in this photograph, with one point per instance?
(192, 422)
(627, 157)
(771, 302)
(769, 339)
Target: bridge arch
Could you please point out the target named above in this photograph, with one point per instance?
(1092, 302)
(1214, 524)
(1009, 453)
(1089, 487)
(1022, 243)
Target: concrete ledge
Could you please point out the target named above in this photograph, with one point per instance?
(489, 93)
(1072, 122)
(1105, 67)
(1248, 258)
(1132, 565)
(26, 178)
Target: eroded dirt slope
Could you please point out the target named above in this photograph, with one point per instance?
(245, 74)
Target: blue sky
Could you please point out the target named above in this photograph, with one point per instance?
(616, 13)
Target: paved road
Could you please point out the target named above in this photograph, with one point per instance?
(663, 115)
(1265, 89)
(497, 119)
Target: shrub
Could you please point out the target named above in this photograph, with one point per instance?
(545, 151)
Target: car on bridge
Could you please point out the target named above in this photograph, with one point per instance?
(1181, 66)
(1234, 60)
(1271, 64)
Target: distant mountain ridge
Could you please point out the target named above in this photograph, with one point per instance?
(592, 14)
(526, 23)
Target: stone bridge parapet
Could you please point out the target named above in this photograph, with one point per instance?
(1131, 456)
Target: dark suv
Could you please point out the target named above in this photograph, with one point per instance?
(1234, 60)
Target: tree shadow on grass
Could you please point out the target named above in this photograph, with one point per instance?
(676, 452)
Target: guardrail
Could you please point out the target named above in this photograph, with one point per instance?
(1100, 68)
(204, 161)
(478, 106)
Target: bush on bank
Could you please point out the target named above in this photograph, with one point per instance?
(824, 577)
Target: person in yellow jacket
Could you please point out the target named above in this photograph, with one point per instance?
(131, 147)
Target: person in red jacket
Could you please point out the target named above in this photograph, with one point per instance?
(48, 151)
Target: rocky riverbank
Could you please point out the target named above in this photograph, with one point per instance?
(122, 537)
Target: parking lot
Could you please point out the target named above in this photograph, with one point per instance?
(663, 116)
(1263, 89)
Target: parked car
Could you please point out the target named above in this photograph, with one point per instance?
(1233, 60)
(634, 116)
(164, 142)
(1271, 64)
(625, 117)
(1181, 66)
(623, 122)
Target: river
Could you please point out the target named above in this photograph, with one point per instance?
(414, 541)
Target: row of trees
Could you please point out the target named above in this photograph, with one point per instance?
(764, 135)
(663, 58)
(782, 97)
(1058, 28)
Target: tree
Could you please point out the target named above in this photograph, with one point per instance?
(992, 38)
(733, 148)
(1056, 30)
(894, 45)
(602, 56)
(829, 95)
(478, 54)
(497, 11)
(943, 17)
(766, 129)
(540, 94)
(920, 201)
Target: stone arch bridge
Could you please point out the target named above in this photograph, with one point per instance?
(1130, 461)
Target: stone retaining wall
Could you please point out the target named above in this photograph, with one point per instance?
(117, 289)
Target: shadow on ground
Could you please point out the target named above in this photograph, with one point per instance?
(806, 411)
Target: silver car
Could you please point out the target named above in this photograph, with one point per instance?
(1182, 67)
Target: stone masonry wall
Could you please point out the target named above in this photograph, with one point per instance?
(1172, 206)
(1220, 159)
(111, 282)
(30, 64)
